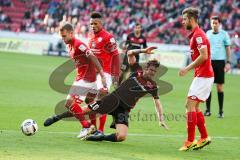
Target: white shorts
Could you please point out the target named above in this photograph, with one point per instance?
(81, 88)
(200, 88)
(108, 81)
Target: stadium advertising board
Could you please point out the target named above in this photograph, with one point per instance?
(23, 45)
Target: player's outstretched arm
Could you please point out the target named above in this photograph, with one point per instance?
(131, 53)
(159, 111)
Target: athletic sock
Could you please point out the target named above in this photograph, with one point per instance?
(220, 101)
(208, 103)
(111, 137)
(78, 113)
(65, 115)
(201, 125)
(191, 124)
(93, 118)
(102, 119)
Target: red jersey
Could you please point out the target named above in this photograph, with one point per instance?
(79, 52)
(104, 47)
(198, 40)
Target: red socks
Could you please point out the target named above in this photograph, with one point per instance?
(78, 113)
(191, 124)
(102, 119)
(201, 125)
(93, 118)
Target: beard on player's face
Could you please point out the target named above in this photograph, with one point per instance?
(189, 27)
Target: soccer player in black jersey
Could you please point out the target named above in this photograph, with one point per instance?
(135, 40)
(120, 102)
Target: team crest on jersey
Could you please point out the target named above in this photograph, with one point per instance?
(82, 48)
(199, 40)
(100, 39)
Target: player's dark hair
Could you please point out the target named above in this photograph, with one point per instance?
(191, 12)
(96, 15)
(138, 24)
(66, 26)
(154, 63)
(216, 18)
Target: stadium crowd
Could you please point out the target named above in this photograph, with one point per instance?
(156, 16)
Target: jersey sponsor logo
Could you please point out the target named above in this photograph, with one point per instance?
(136, 44)
(96, 51)
(199, 40)
(82, 48)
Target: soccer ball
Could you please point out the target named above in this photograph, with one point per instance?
(29, 127)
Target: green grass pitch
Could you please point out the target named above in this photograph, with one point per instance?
(25, 93)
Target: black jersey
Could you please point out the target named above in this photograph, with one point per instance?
(134, 42)
(135, 87)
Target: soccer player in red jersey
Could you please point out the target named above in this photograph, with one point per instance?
(104, 47)
(202, 83)
(85, 83)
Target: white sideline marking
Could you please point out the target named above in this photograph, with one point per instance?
(132, 134)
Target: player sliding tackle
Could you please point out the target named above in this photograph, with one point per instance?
(120, 102)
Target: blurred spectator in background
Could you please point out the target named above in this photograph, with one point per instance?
(156, 16)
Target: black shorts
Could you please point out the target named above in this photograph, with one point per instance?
(120, 116)
(218, 68)
(106, 105)
(110, 104)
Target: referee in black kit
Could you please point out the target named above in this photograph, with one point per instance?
(220, 55)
